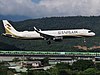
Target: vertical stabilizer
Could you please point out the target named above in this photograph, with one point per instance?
(8, 27)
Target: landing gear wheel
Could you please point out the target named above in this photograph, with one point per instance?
(84, 40)
(48, 42)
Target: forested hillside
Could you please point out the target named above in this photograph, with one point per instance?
(92, 23)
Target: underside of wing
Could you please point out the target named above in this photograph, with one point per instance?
(46, 35)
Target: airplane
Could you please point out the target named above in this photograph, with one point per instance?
(48, 35)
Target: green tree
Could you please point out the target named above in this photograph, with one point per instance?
(63, 65)
(82, 65)
(45, 61)
(64, 72)
(40, 73)
(90, 71)
(54, 71)
(3, 68)
(97, 65)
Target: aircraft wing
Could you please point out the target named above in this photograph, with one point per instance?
(46, 35)
(43, 34)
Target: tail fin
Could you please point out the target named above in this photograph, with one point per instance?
(8, 27)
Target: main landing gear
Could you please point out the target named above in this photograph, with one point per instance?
(48, 41)
(84, 41)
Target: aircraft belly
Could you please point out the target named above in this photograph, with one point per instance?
(33, 36)
(29, 35)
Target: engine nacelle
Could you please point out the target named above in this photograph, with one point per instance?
(58, 38)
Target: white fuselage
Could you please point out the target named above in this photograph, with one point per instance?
(56, 33)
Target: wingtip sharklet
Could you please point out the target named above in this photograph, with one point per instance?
(36, 29)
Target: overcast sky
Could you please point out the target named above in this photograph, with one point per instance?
(49, 8)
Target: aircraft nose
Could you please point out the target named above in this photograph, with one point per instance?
(93, 33)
